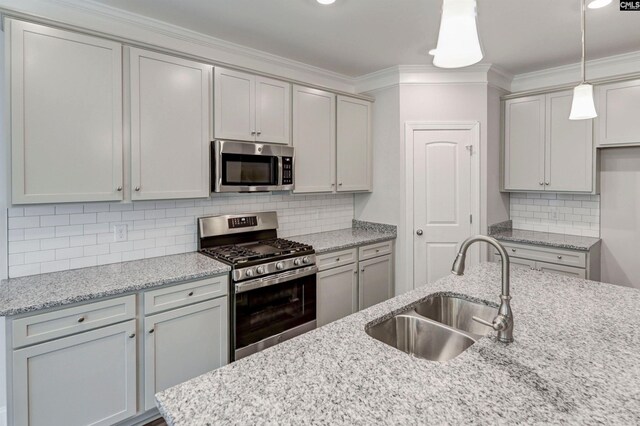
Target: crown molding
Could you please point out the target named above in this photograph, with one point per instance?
(429, 74)
(611, 66)
(110, 22)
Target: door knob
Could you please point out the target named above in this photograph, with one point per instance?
(419, 232)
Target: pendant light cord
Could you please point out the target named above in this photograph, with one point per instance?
(583, 4)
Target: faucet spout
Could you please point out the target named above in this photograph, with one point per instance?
(503, 322)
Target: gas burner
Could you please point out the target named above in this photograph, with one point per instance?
(233, 253)
(249, 252)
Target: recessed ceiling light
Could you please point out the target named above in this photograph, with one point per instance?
(326, 1)
(597, 4)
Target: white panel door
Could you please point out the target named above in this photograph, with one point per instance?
(184, 343)
(353, 142)
(442, 200)
(375, 281)
(170, 116)
(314, 138)
(66, 116)
(86, 379)
(273, 111)
(618, 109)
(569, 147)
(524, 142)
(234, 105)
(337, 293)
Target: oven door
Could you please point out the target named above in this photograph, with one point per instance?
(250, 167)
(273, 309)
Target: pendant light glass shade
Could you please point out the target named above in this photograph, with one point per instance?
(458, 43)
(597, 4)
(582, 107)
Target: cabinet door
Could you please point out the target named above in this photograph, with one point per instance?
(184, 343)
(618, 106)
(86, 379)
(170, 117)
(66, 116)
(569, 147)
(273, 111)
(234, 105)
(376, 281)
(561, 269)
(314, 137)
(354, 156)
(524, 136)
(337, 293)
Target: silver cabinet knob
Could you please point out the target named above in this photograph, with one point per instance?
(340, 184)
(540, 183)
(253, 133)
(132, 335)
(419, 232)
(152, 330)
(513, 250)
(119, 188)
(137, 188)
(258, 133)
(81, 319)
(546, 183)
(559, 257)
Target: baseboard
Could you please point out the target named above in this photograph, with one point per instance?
(3, 416)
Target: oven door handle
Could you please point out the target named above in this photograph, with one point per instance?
(276, 279)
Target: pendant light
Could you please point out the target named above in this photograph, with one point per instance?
(582, 107)
(458, 43)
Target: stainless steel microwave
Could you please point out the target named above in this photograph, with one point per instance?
(251, 167)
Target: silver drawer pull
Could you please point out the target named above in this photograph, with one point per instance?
(560, 257)
(513, 250)
(377, 251)
(132, 335)
(81, 319)
(152, 330)
(338, 259)
(190, 293)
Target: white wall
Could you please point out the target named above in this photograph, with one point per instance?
(620, 215)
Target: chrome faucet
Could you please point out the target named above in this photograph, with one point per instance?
(503, 322)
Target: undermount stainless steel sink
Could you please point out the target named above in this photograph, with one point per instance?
(438, 329)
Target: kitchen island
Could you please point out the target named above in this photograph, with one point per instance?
(575, 359)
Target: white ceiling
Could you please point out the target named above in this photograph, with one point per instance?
(356, 37)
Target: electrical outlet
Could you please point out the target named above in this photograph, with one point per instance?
(120, 233)
(553, 213)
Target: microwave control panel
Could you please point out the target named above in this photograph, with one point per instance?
(287, 170)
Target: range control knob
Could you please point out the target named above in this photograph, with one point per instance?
(297, 262)
(305, 259)
(249, 272)
(279, 266)
(260, 269)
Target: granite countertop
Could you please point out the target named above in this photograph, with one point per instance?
(575, 359)
(362, 233)
(27, 294)
(571, 242)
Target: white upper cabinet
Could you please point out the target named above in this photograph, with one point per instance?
(314, 139)
(354, 156)
(524, 143)
(543, 149)
(569, 147)
(273, 111)
(251, 108)
(618, 111)
(170, 122)
(66, 116)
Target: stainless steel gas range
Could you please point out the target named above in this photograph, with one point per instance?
(273, 280)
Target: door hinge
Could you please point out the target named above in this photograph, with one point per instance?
(470, 149)
(470, 218)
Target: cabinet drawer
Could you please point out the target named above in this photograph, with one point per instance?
(375, 250)
(561, 270)
(184, 294)
(64, 322)
(335, 259)
(547, 254)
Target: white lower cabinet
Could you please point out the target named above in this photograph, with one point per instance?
(337, 293)
(376, 278)
(85, 379)
(353, 279)
(183, 343)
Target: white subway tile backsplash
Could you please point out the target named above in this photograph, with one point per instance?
(575, 214)
(56, 237)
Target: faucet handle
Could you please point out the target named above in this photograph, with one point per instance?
(499, 322)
